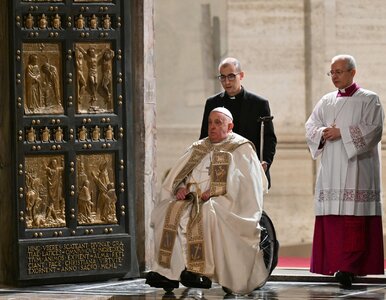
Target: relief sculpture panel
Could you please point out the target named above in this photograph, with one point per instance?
(96, 189)
(42, 78)
(44, 200)
(94, 77)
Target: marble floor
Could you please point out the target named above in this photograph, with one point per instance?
(284, 284)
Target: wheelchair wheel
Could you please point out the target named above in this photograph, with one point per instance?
(268, 242)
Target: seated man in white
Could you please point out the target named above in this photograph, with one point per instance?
(206, 224)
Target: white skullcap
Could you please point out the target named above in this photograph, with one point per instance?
(224, 111)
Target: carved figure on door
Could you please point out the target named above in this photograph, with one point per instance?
(59, 135)
(94, 22)
(44, 200)
(33, 199)
(31, 135)
(103, 184)
(109, 133)
(46, 133)
(43, 22)
(110, 208)
(51, 87)
(92, 57)
(82, 134)
(55, 197)
(85, 204)
(56, 22)
(96, 133)
(107, 22)
(42, 78)
(29, 22)
(33, 84)
(80, 73)
(107, 76)
(80, 22)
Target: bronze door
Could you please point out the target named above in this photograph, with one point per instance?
(74, 152)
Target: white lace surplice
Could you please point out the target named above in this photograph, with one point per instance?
(349, 177)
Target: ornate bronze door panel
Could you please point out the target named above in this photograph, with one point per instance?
(74, 156)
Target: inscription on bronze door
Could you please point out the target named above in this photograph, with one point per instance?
(72, 104)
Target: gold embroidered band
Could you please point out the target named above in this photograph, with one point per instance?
(169, 233)
(195, 235)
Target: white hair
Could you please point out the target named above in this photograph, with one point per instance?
(349, 59)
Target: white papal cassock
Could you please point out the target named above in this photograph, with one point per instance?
(230, 220)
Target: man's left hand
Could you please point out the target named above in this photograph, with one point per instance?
(205, 195)
(264, 164)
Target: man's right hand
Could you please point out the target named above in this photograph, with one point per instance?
(331, 134)
(181, 193)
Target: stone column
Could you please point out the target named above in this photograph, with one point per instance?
(145, 131)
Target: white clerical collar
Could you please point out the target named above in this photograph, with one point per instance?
(235, 96)
(347, 87)
(348, 91)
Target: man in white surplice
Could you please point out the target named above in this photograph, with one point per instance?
(345, 128)
(206, 225)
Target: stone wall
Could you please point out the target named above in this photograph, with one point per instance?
(285, 47)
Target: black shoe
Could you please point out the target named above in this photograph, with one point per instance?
(344, 278)
(156, 280)
(194, 280)
(227, 291)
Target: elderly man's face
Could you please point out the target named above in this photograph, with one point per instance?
(342, 77)
(219, 126)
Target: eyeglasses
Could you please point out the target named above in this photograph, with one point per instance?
(230, 77)
(337, 72)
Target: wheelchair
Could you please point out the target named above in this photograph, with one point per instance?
(268, 244)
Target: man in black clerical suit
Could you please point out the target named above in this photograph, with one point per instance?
(246, 108)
